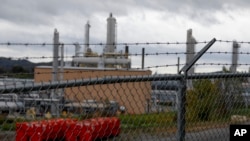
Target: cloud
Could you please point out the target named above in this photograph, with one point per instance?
(194, 6)
(44, 12)
(200, 11)
(138, 21)
(21, 12)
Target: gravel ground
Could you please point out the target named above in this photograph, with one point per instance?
(219, 134)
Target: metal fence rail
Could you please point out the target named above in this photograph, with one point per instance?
(22, 87)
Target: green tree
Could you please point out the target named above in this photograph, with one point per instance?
(18, 69)
(202, 101)
(20, 72)
(231, 90)
(2, 70)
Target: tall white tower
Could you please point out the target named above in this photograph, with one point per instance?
(236, 47)
(55, 55)
(111, 35)
(190, 49)
(86, 40)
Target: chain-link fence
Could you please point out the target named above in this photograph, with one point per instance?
(126, 104)
(146, 106)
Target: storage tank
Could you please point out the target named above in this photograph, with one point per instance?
(111, 35)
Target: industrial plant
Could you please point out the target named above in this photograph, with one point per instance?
(88, 64)
(109, 58)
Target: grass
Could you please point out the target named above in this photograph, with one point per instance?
(148, 122)
(243, 111)
(167, 122)
(152, 122)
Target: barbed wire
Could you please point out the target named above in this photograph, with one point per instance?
(199, 64)
(222, 64)
(231, 41)
(124, 55)
(100, 44)
(125, 44)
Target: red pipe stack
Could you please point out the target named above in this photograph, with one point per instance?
(68, 129)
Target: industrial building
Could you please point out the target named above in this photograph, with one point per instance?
(134, 96)
(109, 58)
(87, 64)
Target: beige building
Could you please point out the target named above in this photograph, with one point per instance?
(134, 96)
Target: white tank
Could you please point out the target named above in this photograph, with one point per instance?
(111, 34)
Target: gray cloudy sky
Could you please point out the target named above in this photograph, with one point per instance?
(138, 21)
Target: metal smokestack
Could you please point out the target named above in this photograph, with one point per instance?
(55, 55)
(111, 35)
(190, 49)
(55, 107)
(86, 47)
(236, 47)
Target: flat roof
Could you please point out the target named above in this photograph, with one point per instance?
(92, 68)
(85, 105)
(41, 99)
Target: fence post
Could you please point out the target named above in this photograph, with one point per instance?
(181, 108)
(181, 105)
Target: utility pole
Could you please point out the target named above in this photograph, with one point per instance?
(142, 58)
(178, 65)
